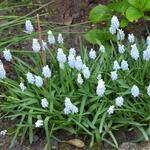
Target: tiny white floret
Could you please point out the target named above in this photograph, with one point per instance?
(72, 51)
(79, 79)
(44, 103)
(131, 38)
(124, 65)
(121, 49)
(134, 52)
(38, 123)
(100, 89)
(51, 38)
(116, 65)
(110, 110)
(115, 22)
(92, 54)
(29, 27)
(36, 45)
(119, 101)
(38, 81)
(7, 55)
(2, 71)
(135, 91)
(114, 75)
(3, 132)
(30, 77)
(46, 71)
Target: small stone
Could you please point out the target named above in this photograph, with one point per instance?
(129, 146)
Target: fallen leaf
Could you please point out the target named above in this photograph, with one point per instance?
(75, 142)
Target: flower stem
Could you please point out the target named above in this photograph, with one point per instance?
(40, 39)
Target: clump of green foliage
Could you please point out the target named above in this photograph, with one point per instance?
(126, 10)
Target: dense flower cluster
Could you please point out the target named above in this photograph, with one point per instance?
(82, 70)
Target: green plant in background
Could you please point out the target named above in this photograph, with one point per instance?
(92, 93)
(127, 10)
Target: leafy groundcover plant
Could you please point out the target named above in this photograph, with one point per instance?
(91, 93)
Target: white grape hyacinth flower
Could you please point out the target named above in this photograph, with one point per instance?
(120, 35)
(119, 101)
(115, 22)
(22, 86)
(135, 91)
(30, 78)
(28, 27)
(61, 57)
(100, 89)
(131, 38)
(79, 79)
(60, 39)
(78, 63)
(38, 81)
(110, 110)
(112, 30)
(2, 71)
(146, 53)
(44, 103)
(86, 72)
(7, 55)
(114, 75)
(124, 65)
(148, 90)
(36, 45)
(72, 51)
(116, 65)
(51, 38)
(102, 49)
(148, 40)
(3, 132)
(69, 107)
(92, 54)
(134, 52)
(71, 60)
(39, 123)
(121, 49)
(46, 71)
